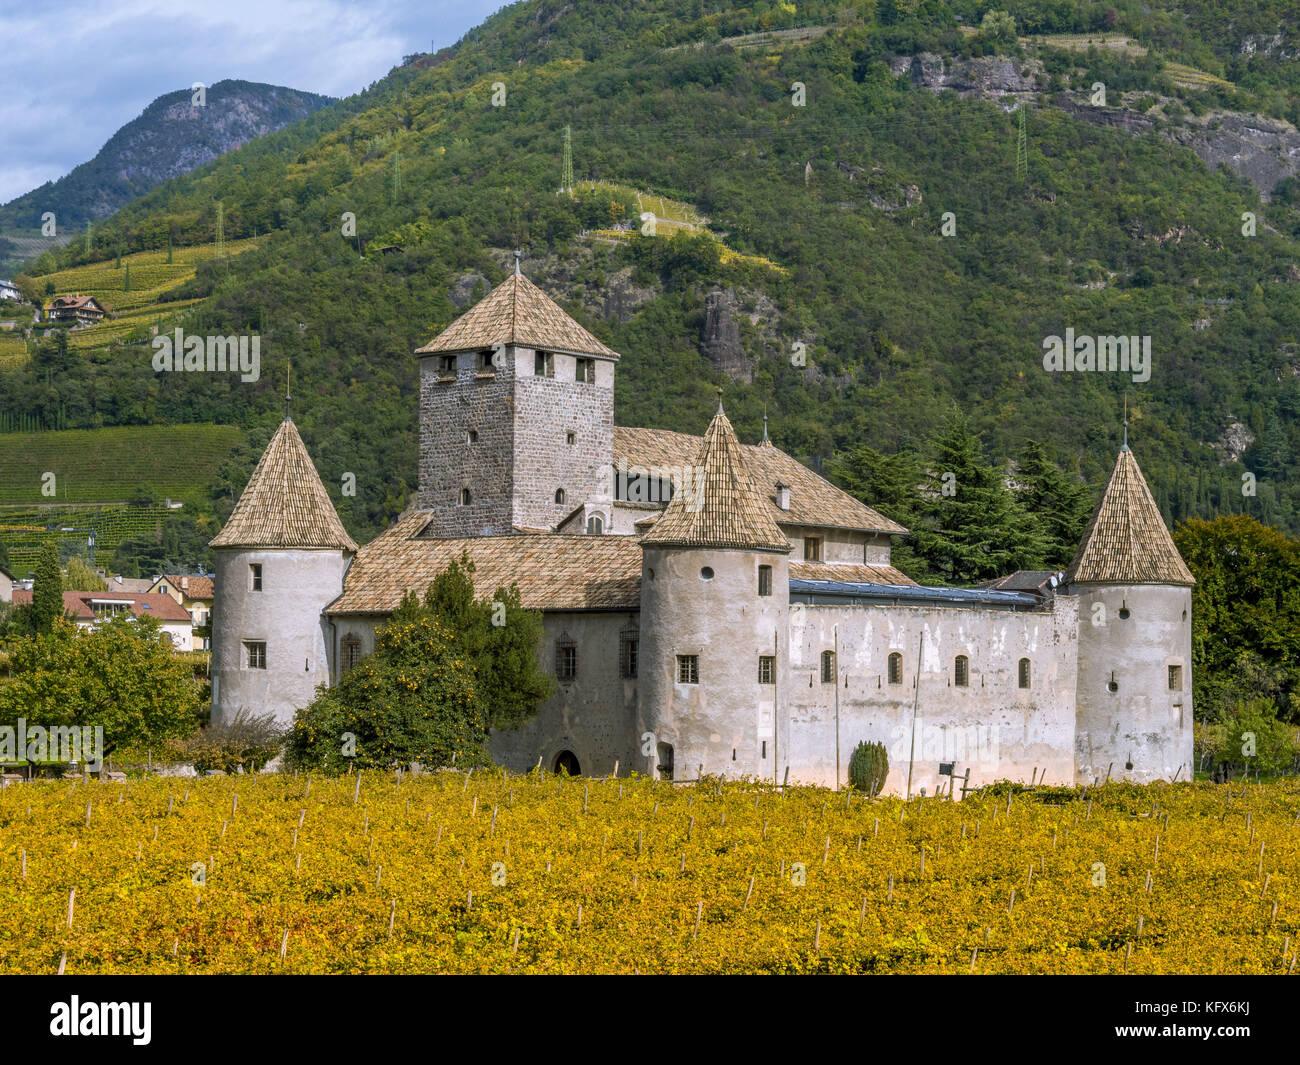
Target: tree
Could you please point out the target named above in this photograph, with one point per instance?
(413, 700)
(498, 635)
(1058, 503)
(1245, 613)
(121, 675)
(47, 590)
(79, 577)
(998, 26)
(972, 528)
(887, 483)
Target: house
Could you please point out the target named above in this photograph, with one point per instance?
(83, 310)
(194, 593)
(7, 584)
(709, 607)
(9, 291)
(87, 609)
(118, 583)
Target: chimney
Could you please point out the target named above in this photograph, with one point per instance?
(185, 586)
(783, 496)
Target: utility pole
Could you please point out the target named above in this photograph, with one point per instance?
(916, 702)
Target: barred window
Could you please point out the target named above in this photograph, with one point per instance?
(627, 652)
(351, 652)
(1024, 673)
(961, 671)
(895, 668)
(256, 652)
(766, 669)
(828, 667)
(1175, 678)
(566, 658)
(688, 669)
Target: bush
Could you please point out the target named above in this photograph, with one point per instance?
(246, 742)
(869, 767)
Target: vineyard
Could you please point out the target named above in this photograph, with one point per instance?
(482, 871)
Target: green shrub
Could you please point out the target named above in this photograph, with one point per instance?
(869, 767)
(247, 741)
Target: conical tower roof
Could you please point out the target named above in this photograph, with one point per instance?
(722, 507)
(284, 503)
(516, 312)
(1126, 541)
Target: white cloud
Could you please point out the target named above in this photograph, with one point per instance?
(75, 74)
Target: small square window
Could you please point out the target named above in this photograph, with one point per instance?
(688, 669)
(544, 364)
(485, 363)
(255, 576)
(570, 438)
(585, 371)
(255, 653)
(812, 549)
(766, 669)
(764, 580)
(447, 365)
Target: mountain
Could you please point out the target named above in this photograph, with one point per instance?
(861, 242)
(172, 136)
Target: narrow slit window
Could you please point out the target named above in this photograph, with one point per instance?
(961, 671)
(828, 667)
(895, 668)
(1175, 678)
(1024, 673)
(764, 580)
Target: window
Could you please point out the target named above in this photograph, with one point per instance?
(665, 761)
(766, 669)
(585, 371)
(447, 366)
(255, 576)
(464, 497)
(595, 525)
(828, 667)
(471, 437)
(627, 651)
(961, 671)
(1175, 678)
(895, 668)
(485, 363)
(351, 652)
(255, 654)
(1024, 673)
(544, 364)
(706, 573)
(559, 495)
(566, 658)
(688, 669)
(571, 438)
(764, 580)
(812, 548)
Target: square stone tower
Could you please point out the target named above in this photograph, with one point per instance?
(516, 416)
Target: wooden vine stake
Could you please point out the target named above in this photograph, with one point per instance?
(72, 899)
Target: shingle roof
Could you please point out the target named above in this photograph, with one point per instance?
(813, 499)
(284, 503)
(516, 312)
(1126, 541)
(848, 573)
(195, 587)
(723, 508)
(554, 572)
(78, 604)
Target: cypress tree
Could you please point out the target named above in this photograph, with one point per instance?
(47, 589)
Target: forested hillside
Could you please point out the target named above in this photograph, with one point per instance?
(918, 258)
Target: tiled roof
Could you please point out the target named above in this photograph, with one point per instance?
(554, 572)
(1025, 580)
(77, 605)
(847, 573)
(195, 587)
(284, 504)
(516, 312)
(129, 584)
(1126, 541)
(723, 508)
(71, 302)
(813, 499)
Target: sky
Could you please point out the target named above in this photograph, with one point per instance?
(74, 72)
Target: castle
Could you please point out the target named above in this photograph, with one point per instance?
(709, 607)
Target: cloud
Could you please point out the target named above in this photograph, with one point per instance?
(77, 71)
